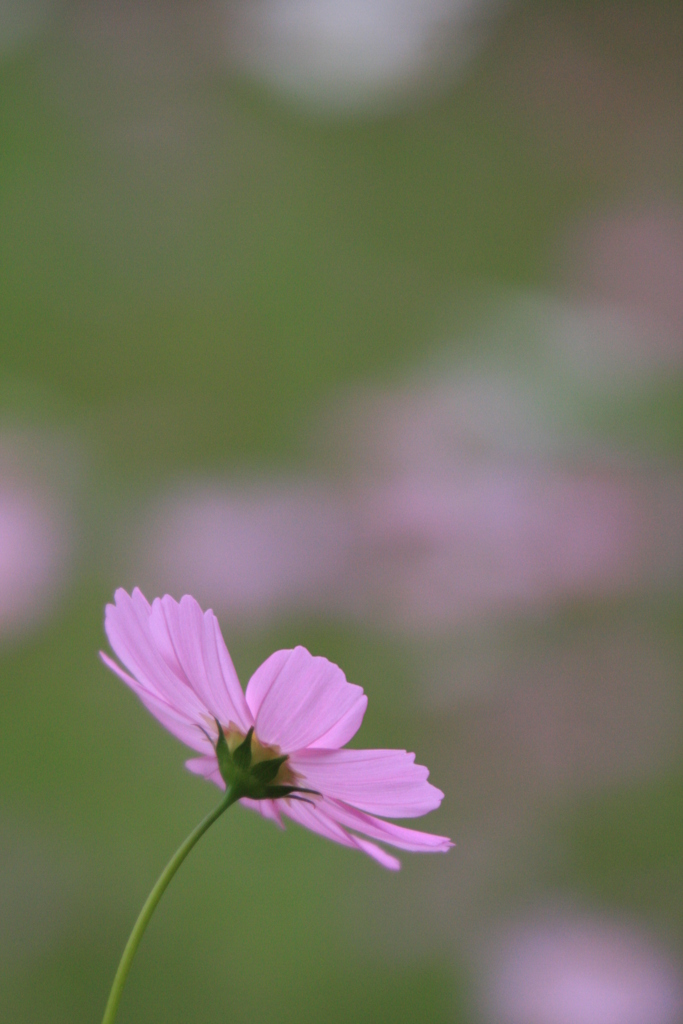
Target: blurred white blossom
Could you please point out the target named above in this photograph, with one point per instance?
(360, 55)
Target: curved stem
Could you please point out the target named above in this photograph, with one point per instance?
(152, 900)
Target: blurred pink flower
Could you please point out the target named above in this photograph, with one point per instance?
(634, 259)
(37, 525)
(247, 549)
(567, 970)
(297, 704)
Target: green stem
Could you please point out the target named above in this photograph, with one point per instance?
(155, 895)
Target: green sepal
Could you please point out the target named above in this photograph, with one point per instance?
(242, 755)
(244, 779)
(276, 792)
(265, 771)
(223, 755)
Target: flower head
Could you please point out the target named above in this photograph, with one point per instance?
(280, 741)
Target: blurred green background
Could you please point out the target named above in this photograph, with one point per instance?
(197, 271)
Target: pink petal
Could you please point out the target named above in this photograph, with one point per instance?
(191, 638)
(305, 699)
(268, 809)
(127, 624)
(263, 678)
(315, 819)
(311, 818)
(378, 854)
(232, 684)
(345, 729)
(385, 782)
(207, 767)
(386, 831)
(176, 722)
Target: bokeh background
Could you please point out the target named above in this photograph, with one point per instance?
(362, 321)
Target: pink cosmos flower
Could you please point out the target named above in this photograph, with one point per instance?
(301, 709)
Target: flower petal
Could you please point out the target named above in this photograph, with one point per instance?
(263, 678)
(268, 809)
(307, 697)
(385, 782)
(193, 639)
(346, 728)
(232, 684)
(178, 724)
(127, 625)
(315, 819)
(311, 818)
(386, 831)
(378, 854)
(207, 767)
